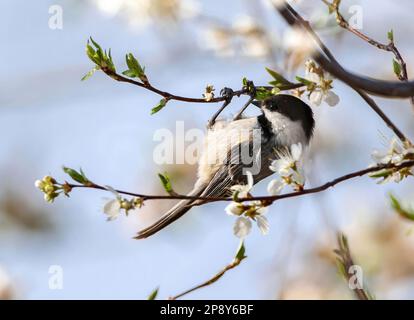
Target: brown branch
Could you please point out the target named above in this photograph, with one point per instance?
(236, 261)
(267, 199)
(374, 106)
(169, 96)
(345, 263)
(390, 47)
(391, 89)
(331, 65)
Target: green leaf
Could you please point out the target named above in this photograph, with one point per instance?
(305, 81)
(407, 213)
(159, 106)
(97, 46)
(75, 175)
(99, 51)
(343, 242)
(109, 60)
(129, 73)
(341, 267)
(390, 35)
(279, 79)
(275, 91)
(90, 73)
(262, 93)
(153, 294)
(135, 69)
(166, 182)
(100, 57)
(380, 174)
(397, 67)
(241, 250)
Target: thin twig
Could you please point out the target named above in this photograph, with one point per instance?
(240, 256)
(293, 18)
(390, 47)
(169, 96)
(345, 263)
(391, 89)
(267, 199)
(374, 106)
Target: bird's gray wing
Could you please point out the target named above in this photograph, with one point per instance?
(232, 173)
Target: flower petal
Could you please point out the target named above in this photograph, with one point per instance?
(113, 191)
(281, 166)
(234, 209)
(275, 187)
(242, 227)
(262, 210)
(316, 97)
(298, 176)
(331, 98)
(263, 224)
(112, 209)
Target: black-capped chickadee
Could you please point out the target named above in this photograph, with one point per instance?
(231, 148)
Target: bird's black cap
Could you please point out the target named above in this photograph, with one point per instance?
(291, 107)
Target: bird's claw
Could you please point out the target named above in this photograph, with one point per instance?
(227, 93)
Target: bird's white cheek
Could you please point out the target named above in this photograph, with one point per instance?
(291, 133)
(286, 131)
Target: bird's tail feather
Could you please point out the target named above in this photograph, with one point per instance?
(171, 215)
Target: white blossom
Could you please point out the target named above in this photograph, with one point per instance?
(397, 153)
(49, 187)
(242, 227)
(208, 95)
(288, 166)
(263, 224)
(218, 40)
(331, 98)
(299, 42)
(321, 89)
(234, 208)
(316, 97)
(260, 209)
(298, 176)
(243, 190)
(38, 184)
(141, 13)
(394, 154)
(112, 209)
(275, 187)
(253, 211)
(287, 160)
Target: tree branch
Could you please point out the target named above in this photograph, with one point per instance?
(236, 261)
(268, 199)
(390, 47)
(293, 18)
(345, 263)
(391, 89)
(169, 96)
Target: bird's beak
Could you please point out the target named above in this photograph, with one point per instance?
(257, 103)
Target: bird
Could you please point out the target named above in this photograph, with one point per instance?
(284, 120)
